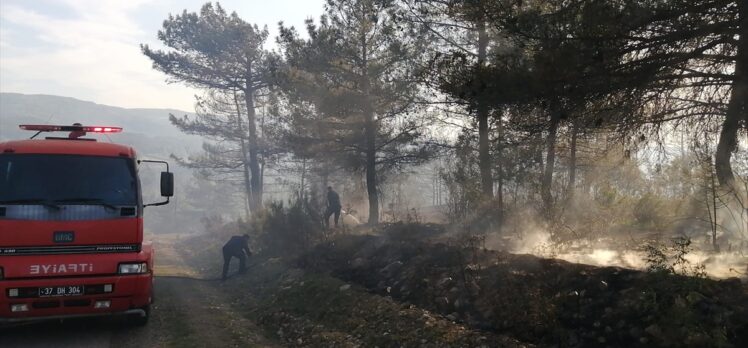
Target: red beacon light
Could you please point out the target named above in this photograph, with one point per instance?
(87, 129)
(77, 130)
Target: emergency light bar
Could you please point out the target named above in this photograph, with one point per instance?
(87, 129)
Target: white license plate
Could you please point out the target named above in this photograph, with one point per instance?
(68, 290)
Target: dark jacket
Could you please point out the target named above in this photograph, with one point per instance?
(333, 200)
(236, 245)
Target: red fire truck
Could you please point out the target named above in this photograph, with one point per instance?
(71, 228)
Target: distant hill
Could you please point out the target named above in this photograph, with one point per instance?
(148, 130)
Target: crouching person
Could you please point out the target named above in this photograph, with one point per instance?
(237, 246)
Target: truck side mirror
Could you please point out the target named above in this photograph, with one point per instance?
(167, 184)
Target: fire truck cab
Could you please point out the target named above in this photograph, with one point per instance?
(71, 228)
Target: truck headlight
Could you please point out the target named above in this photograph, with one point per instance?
(133, 268)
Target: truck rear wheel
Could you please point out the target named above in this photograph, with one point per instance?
(140, 320)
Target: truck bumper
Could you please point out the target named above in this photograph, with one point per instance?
(140, 312)
(129, 295)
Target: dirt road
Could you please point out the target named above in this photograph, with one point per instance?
(187, 313)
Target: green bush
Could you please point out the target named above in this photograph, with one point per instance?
(290, 229)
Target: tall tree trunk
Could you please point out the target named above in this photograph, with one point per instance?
(245, 158)
(484, 155)
(325, 180)
(500, 169)
(302, 189)
(736, 109)
(550, 147)
(371, 169)
(433, 190)
(370, 130)
(713, 188)
(572, 164)
(254, 163)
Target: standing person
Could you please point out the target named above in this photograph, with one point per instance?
(237, 247)
(333, 206)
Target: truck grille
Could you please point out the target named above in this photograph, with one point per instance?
(77, 303)
(45, 304)
(70, 249)
(71, 212)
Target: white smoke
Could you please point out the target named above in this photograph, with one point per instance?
(538, 242)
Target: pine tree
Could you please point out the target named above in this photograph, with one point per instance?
(357, 69)
(214, 50)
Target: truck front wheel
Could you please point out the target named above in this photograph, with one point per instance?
(140, 320)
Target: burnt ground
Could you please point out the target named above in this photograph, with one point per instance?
(542, 301)
(314, 309)
(411, 286)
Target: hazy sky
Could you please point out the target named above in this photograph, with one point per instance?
(89, 49)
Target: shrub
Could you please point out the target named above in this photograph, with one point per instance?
(672, 258)
(290, 229)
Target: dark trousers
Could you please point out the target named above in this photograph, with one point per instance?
(330, 211)
(227, 255)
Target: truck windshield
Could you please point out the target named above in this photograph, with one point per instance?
(67, 179)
